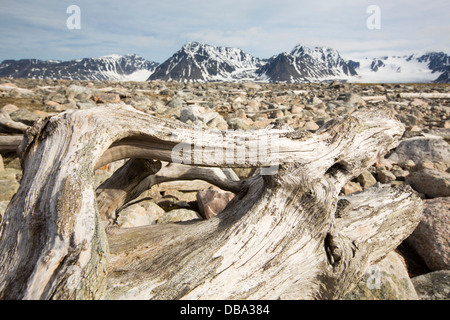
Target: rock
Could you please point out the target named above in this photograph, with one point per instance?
(74, 90)
(85, 105)
(366, 179)
(311, 126)
(218, 122)
(179, 215)
(385, 176)
(253, 105)
(433, 285)
(197, 113)
(41, 114)
(3, 206)
(408, 120)
(8, 184)
(432, 183)
(15, 164)
(106, 98)
(296, 109)
(191, 113)
(417, 103)
(10, 108)
(211, 202)
(24, 116)
(140, 214)
(240, 113)
(54, 106)
(353, 99)
(276, 114)
(351, 187)
(386, 280)
(238, 123)
(407, 165)
(15, 92)
(430, 238)
(315, 100)
(445, 124)
(400, 174)
(441, 132)
(426, 147)
(207, 117)
(426, 164)
(176, 102)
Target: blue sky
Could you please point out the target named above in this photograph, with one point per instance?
(157, 29)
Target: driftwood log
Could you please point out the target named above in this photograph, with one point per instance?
(285, 235)
(7, 125)
(10, 143)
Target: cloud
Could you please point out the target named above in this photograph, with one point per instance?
(156, 29)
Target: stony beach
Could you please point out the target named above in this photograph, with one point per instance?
(417, 269)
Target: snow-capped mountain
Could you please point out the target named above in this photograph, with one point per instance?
(201, 62)
(303, 64)
(112, 67)
(430, 67)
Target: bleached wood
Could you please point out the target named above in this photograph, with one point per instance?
(425, 95)
(10, 143)
(7, 125)
(139, 175)
(278, 238)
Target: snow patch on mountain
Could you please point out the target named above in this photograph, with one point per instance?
(395, 69)
(200, 62)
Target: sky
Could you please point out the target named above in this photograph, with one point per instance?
(157, 29)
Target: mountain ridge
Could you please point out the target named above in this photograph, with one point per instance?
(110, 67)
(199, 62)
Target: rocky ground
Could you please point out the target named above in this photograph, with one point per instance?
(418, 269)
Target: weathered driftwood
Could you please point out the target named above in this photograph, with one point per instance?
(7, 125)
(139, 175)
(283, 235)
(425, 95)
(10, 143)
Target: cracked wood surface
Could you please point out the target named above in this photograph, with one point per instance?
(283, 236)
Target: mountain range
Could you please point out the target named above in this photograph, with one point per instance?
(200, 62)
(112, 67)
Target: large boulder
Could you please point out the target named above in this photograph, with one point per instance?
(24, 116)
(424, 147)
(140, 214)
(432, 183)
(430, 238)
(433, 285)
(386, 280)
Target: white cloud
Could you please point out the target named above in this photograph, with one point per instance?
(156, 29)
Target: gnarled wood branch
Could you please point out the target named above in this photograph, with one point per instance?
(283, 235)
